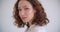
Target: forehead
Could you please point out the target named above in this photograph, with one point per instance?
(24, 3)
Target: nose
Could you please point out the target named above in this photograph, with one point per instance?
(22, 12)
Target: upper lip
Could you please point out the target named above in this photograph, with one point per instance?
(24, 17)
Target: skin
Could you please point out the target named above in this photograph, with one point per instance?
(26, 11)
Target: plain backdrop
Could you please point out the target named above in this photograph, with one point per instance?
(52, 8)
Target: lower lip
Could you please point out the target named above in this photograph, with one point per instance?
(24, 17)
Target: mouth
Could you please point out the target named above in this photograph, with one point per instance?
(24, 17)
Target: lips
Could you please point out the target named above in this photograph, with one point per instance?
(24, 17)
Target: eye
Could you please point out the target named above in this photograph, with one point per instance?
(26, 8)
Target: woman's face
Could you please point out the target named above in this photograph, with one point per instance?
(26, 11)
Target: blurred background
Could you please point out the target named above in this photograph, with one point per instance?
(52, 8)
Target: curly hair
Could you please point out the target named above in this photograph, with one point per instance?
(40, 17)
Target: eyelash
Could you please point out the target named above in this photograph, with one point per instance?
(24, 8)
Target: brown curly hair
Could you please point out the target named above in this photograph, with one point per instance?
(40, 17)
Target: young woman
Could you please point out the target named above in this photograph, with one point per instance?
(30, 13)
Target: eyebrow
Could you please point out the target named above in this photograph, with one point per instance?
(23, 6)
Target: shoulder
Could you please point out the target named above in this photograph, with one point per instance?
(40, 28)
(36, 28)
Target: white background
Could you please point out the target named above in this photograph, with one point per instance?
(52, 8)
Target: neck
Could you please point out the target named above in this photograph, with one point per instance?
(29, 24)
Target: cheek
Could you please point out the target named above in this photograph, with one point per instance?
(20, 14)
(30, 13)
